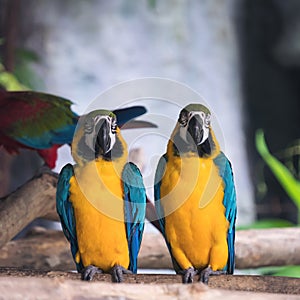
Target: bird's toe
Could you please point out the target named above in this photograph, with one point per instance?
(88, 273)
(188, 275)
(117, 273)
(205, 273)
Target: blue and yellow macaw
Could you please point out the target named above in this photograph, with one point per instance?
(195, 198)
(101, 200)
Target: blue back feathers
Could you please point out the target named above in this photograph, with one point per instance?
(229, 202)
(65, 209)
(134, 210)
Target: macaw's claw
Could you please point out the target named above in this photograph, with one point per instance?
(188, 275)
(117, 273)
(88, 273)
(205, 273)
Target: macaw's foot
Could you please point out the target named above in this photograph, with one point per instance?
(205, 273)
(188, 275)
(117, 273)
(88, 273)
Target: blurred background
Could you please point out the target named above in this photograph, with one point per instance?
(242, 56)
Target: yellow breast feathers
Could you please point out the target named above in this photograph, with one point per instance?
(96, 194)
(195, 223)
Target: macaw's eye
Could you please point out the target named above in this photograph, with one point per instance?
(183, 119)
(202, 114)
(183, 122)
(207, 121)
(89, 126)
(113, 126)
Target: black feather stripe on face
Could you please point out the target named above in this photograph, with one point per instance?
(207, 148)
(116, 152)
(88, 154)
(204, 150)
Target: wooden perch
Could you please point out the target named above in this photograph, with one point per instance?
(262, 284)
(33, 200)
(62, 286)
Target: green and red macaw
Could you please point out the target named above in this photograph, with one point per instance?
(101, 200)
(44, 122)
(195, 198)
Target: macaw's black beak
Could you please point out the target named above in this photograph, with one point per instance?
(195, 130)
(103, 141)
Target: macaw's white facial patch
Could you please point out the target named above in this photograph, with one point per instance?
(92, 127)
(205, 120)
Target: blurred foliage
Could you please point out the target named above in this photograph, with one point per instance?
(152, 3)
(284, 176)
(287, 178)
(22, 77)
(9, 81)
(23, 68)
(267, 223)
(288, 271)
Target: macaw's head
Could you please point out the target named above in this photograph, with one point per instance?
(100, 129)
(99, 136)
(193, 132)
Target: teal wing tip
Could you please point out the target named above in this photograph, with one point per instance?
(133, 167)
(67, 170)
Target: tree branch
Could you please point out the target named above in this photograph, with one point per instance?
(261, 284)
(34, 199)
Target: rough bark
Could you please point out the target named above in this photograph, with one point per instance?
(31, 201)
(149, 283)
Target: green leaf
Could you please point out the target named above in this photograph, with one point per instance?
(281, 172)
(287, 271)
(9, 81)
(267, 223)
(27, 56)
(152, 4)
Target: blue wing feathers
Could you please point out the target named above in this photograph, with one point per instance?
(65, 209)
(64, 135)
(128, 113)
(60, 136)
(225, 171)
(134, 210)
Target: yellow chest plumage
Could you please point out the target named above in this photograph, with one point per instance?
(96, 194)
(195, 223)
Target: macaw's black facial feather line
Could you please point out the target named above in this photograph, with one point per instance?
(206, 149)
(88, 155)
(203, 150)
(116, 152)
